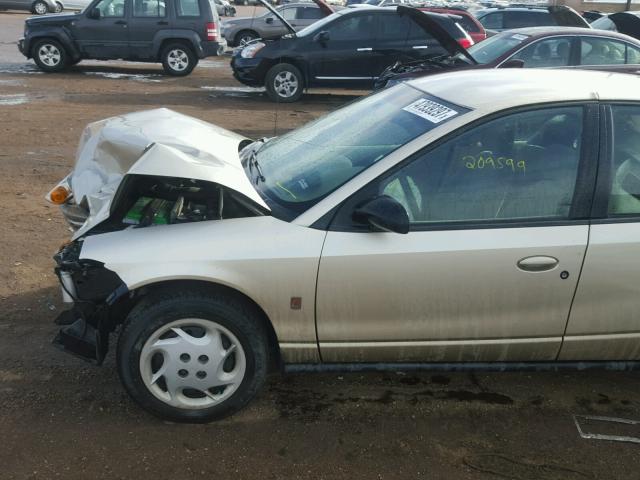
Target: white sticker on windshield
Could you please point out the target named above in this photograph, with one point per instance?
(518, 36)
(432, 111)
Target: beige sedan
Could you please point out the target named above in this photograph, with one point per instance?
(475, 219)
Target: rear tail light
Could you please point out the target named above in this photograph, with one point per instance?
(212, 32)
(465, 42)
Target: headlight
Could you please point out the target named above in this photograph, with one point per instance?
(251, 50)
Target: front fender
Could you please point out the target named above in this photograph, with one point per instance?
(57, 33)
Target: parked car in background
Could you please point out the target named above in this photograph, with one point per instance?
(535, 47)
(268, 26)
(224, 8)
(499, 19)
(347, 49)
(38, 7)
(623, 22)
(470, 220)
(378, 3)
(467, 21)
(174, 32)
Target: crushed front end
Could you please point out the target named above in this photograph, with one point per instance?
(97, 298)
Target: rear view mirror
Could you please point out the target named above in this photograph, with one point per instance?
(94, 14)
(268, 20)
(514, 63)
(383, 213)
(321, 37)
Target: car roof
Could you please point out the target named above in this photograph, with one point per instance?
(498, 89)
(559, 30)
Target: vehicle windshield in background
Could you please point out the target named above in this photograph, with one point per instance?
(491, 48)
(301, 167)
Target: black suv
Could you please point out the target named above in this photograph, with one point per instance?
(349, 48)
(174, 32)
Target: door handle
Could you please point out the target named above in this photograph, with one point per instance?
(366, 49)
(121, 22)
(420, 47)
(538, 263)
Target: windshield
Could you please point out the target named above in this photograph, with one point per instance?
(298, 169)
(493, 47)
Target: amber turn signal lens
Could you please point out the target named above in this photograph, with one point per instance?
(59, 195)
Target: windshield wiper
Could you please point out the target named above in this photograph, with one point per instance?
(253, 162)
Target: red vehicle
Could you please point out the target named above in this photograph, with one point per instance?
(467, 21)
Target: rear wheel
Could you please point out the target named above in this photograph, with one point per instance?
(192, 357)
(178, 59)
(59, 8)
(40, 8)
(284, 83)
(49, 55)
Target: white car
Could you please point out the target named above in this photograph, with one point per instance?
(474, 219)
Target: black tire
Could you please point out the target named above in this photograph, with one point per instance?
(39, 8)
(284, 83)
(245, 36)
(178, 54)
(49, 55)
(231, 312)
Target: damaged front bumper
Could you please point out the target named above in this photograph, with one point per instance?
(95, 295)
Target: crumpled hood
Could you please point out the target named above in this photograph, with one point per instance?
(155, 142)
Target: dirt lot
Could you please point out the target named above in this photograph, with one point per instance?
(61, 418)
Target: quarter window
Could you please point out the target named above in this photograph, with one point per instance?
(553, 52)
(625, 181)
(521, 166)
(188, 8)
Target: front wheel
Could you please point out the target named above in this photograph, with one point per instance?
(284, 83)
(192, 357)
(178, 59)
(39, 8)
(49, 55)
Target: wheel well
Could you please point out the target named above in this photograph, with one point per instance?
(167, 41)
(210, 288)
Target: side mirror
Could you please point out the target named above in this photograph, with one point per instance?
(513, 63)
(321, 37)
(94, 14)
(383, 213)
(268, 20)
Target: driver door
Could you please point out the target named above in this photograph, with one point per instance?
(490, 265)
(106, 37)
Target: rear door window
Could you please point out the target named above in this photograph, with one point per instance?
(309, 13)
(188, 8)
(625, 182)
(603, 51)
(149, 8)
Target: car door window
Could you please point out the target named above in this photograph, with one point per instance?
(354, 27)
(552, 52)
(602, 51)
(289, 14)
(521, 166)
(111, 8)
(633, 55)
(625, 178)
(397, 28)
(309, 13)
(149, 8)
(492, 21)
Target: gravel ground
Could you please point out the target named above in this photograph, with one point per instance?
(62, 418)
